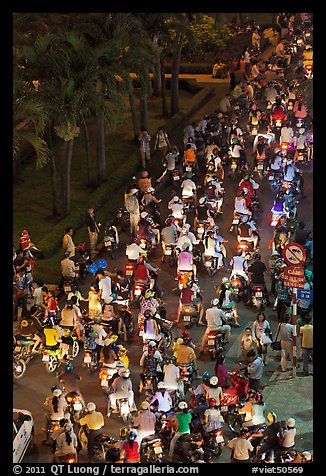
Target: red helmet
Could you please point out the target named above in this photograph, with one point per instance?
(24, 233)
(211, 402)
(185, 334)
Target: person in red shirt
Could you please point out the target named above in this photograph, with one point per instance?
(278, 111)
(186, 297)
(141, 273)
(129, 452)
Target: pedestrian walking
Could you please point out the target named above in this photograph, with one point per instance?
(162, 142)
(145, 150)
(261, 331)
(132, 206)
(286, 338)
(93, 230)
(306, 333)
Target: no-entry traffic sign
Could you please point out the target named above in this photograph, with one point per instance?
(294, 254)
(294, 277)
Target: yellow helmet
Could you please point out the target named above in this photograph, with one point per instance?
(149, 293)
(114, 337)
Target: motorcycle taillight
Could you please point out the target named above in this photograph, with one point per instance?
(211, 336)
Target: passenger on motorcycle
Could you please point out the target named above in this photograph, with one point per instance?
(162, 398)
(189, 157)
(247, 231)
(66, 442)
(177, 208)
(189, 188)
(121, 388)
(300, 143)
(204, 213)
(144, 422)
(186, 236)
(291, 172)
(278, 111)
(260, 154)
(151, 364)
(212, 416)
(129, 452)
(31, 327)
(214, 192)
(172, 376)
(146, 230)
(151, 204)
(56, 407)
(276, 161)
(68, 270)
(300, 110)
(151, 330)
(185, 260)
(144, 182)
(53, 339)
(169, 234)
(240, 206)
(214, 319)
(225, 294)
(184, 354)
(69, 319)
(287, 134)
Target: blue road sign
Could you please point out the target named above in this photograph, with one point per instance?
(304, 294)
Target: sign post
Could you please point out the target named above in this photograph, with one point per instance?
(295, 256)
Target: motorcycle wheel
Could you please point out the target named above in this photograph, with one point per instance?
(211, 271)
(52, 364)
(75, 348)
(124, 418)
(18, 373)
(171, 261)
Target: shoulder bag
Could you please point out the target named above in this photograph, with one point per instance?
(276, 344)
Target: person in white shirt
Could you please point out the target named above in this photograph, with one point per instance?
(239, 266)
(289, 434)
(188, 187)
(287, 134)
(185, 261)
(163, 398)
(214, 317)
(186, 236)
(133, 251)
(276, 163)
(104, 287)
(290, 171)
(177, 208)
(172, 376)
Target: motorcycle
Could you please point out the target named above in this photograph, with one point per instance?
(110, 240)
(215, 343)
(164, 326)
(290, 105)
(235, 221)
(151, 450)
(210, 264)
(188, 203)
(189, 445)
(176, 178)
(187, 375)
(19, 367)
(189, 315)
(67, 459)
(122, 219)
(52, 358)
(123, 409)
(239, 286)
(275, 180)
(258, 299)
(102, 444)
(82, 262)
(23, 348)
(129, 269)
(247, 249)
(69, 285)
(308, 71)
(170, 252)
(75, 404)
(91, 361)
(106, 375)
(253, 130)
(213, 442)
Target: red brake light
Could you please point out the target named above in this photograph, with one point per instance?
(211, 336)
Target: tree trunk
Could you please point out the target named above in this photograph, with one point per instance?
(53, 172)
(101, 162)
(157, 81)
(239, 18)
(67, 205)
(144, 111)
(175, 74)
(134, 115)
(164, 102)
(63, 174)
(88, 154)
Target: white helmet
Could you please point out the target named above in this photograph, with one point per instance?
(145, 405)
(291, 422)
(302, 130)
(143, 214)
(124, 373)
(182, 405)
(91, 406)
(202, 200)
(213, 380)
(176, 198)
(209, 179)
(215, 302)
(152, 343)
(133, 191)
(225, 280)
(160, 385)
(151, 189)
(57, 392)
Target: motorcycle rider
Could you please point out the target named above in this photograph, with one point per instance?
(163, 398)
(94, 421)
(121, 388)
(53, 340)
(204, 213)
(212, 416)
(241, 447)
(189, 188)
(66, 442)
(185, 260)
(186, 236)
(214, 319)
(193, 294)
(225, 302)
(151, 363)
(182, 421)
(247, 231)
(68, 271)
(214, 390)
(172, 376)
(129, 452)
(31, 327)
(69, 319)
(287, 134)
(300, 143)
(177, 208)
(239, 265)
(184, 354)
(169, 234)
(144, 422)
(257, 270)
(56, 407)
(278, 111)
(213, 246)
(146, 229)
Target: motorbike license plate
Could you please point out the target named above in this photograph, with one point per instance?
(67, 289)
(87, 359)
(45, 358)
(260, 167)
(17, 348)
(129, 272)
(300, 156)
(208, 264)
(168, 252)
(104, 383)
(278, 124)
(158, 450)
(235, 221)
(188, 169)
(233, 166)
(137, 292)
(186, 318)
(211, 342)
(290, 108)
(259, 294)
(124, 408)
(142, 245)
(254, 132)
(78, 406)
(201, 230)
(224, 408)
(219, 439)
(271, 177)
(176, 177)
(107, 243)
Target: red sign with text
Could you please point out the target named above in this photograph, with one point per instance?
(294, 277)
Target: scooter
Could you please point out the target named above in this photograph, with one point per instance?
(239, 286)
(19, 367)
(151, 450)
(215, 343)
(189, 315)
(213, 442)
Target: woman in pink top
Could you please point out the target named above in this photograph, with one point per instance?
(221, 372)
